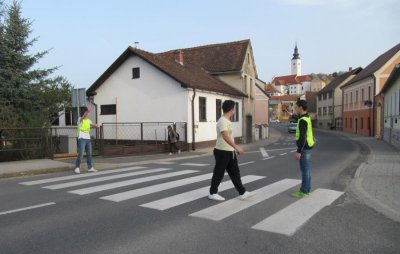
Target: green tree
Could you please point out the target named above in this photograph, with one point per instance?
(32, 92)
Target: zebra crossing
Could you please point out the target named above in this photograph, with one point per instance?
(287, 221)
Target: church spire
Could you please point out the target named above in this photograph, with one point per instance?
(296, 54)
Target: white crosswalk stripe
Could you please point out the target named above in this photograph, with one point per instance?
(232, 206)
(287, 221)
(110, 186)
(291, 218)
(155, 188)
(246, 163)
(104, 178)
(173, 201)
(70, 177)
(195, 164)
(166, 162)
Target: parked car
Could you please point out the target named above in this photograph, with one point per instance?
(292, 127)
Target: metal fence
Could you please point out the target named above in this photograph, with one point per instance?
(139, 138)
(36, 143)
(23, 144)
(132, 133)
(134, 138)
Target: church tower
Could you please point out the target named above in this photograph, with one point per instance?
(296, 62)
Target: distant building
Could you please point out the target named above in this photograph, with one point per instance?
(329, 102)
(296, 62)
(270, 90)
(363, 101)
(283, 106)
(391, 95)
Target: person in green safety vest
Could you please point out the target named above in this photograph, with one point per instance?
(84, 143)
(305, 142)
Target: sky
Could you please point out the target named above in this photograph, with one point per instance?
(86, 36)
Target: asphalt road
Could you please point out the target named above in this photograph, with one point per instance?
(94, 222)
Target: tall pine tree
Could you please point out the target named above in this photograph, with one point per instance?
(32, 93)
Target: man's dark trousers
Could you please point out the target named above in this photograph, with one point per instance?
(226, 160)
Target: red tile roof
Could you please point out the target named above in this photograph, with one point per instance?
(271, 89)
(189, 75)
(215, 58)
(304, 78)
(290, 79)
(285, 98)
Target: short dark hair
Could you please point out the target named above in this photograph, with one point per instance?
(83, 110)
(302, 103)
(228, 105)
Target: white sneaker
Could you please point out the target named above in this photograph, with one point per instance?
(216, 197)
(77, 171)
(170, 153)
(92, 170)
(246, 195)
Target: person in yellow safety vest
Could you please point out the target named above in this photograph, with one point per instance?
(84, 143)
(305, 142)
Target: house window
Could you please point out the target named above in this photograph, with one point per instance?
(202, 109)
(235, 117)
(110, 109)
(324, 96)
(319, 111)
(369, 93)
(330, 110)
(251, 87)
(218, 107)
(324, 111)
(362, 95)
(356, 96)
(351, 98)
(135, 73)
(319, 97)
(347, 99)
(245, 84)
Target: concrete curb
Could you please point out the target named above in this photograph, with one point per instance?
(36, 172)
(357, 190)
(363, 196)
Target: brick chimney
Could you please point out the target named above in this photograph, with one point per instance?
(179, 57)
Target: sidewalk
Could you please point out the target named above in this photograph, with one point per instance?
(377, 181)
(42, 166)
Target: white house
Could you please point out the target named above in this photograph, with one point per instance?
(391, 92)
(142, 87)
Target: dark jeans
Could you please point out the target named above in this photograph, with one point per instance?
(226, 160)
(173, 147)
(305, 167)
(84, 144)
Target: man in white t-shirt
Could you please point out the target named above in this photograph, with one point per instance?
(225, 154)
(84, 143)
